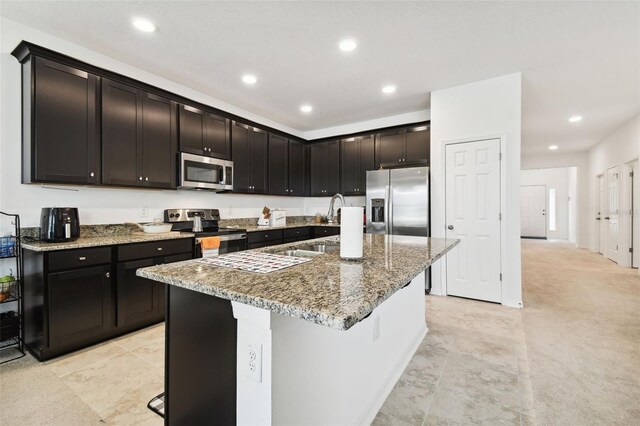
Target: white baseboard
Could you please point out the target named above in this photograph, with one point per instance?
(381, 396)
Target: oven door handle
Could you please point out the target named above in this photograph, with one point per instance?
(233, 237)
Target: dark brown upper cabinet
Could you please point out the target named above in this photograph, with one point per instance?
(297, 168)
(204, 133)
(325, 168)
(357, 155)
(60, 123)
(278, 165)
(407, 145)
(286, 166)
(139, 137)
(249, 148)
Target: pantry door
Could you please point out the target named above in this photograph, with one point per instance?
(533, 211)
(472, 202)
(612, 214)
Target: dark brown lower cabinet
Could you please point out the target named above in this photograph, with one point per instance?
(80, 306)
(141, 301)
(259, 239)
(76, 298)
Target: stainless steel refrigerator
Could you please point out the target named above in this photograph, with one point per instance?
(398, 203)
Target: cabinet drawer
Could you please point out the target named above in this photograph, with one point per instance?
(261, 236)
(69, 259)
(297, 232)
(324, 231)
(154, 249)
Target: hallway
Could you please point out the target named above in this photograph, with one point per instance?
(581, 324)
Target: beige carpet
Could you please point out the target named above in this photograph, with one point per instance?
(581, 323)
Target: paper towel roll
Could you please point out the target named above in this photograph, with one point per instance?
(351, 231)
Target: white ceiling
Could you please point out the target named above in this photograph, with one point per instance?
(576, 57)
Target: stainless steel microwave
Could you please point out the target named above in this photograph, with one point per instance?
(199, 172)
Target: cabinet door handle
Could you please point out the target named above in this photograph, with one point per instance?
(146, 179)
(82, 258)
(108, 274)
(92, 174)
(140, 178)
(159, 248)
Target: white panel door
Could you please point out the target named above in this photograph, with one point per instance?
(602, 209)
(635, 213)
(612, 215)
(472, 205)
(533, 211)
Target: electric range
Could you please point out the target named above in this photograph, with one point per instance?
(231, 240)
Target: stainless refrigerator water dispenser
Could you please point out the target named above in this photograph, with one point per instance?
(377, 210)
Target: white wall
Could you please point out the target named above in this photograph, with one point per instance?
(617, 149)
(552, 178)
(569, 159)
(489, 108)
(101, 205)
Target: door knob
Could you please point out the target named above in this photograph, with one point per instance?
(606, 218)
(450, 227)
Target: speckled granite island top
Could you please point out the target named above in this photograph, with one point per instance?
(110, 240)
(328, 290)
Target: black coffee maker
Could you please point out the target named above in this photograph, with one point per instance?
(59, 224)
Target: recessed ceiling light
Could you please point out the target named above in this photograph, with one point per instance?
(389, 89)
(249, 78)
(306, 108)
(575, 119)
(144, 25)
(347, 45)
(553, 147)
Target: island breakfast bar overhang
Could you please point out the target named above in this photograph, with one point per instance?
(319, 343)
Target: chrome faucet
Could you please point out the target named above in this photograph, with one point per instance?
(331, 215)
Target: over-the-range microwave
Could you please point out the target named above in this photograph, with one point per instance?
(199, 172)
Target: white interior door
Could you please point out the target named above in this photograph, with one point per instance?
(612, 215)
(472, 193)
(602, 225)
(635, 213)
(533, 211)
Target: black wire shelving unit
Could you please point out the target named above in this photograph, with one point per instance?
(11, 292)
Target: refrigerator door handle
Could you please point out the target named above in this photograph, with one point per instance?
(390, 202)
(387, 210)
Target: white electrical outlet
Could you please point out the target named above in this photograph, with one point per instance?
(253, 363)
(376, 328)
(144, 211)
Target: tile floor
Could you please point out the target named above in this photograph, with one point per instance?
(570, 357)
(472, 368)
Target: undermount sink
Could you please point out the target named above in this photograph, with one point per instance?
(299, 253)
(320, 248)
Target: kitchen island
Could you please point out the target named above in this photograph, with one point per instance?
(318, 343)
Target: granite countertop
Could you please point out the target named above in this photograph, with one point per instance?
(327, 290)
(255, 228)
(106, 240)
